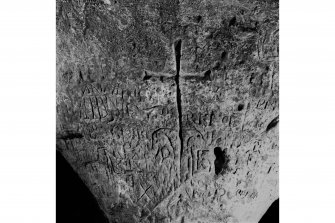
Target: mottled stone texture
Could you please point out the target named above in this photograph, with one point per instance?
(168, 110)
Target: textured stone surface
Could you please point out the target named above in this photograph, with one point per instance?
(168, 110)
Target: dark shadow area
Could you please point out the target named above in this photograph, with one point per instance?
(272, 214)
(220, 160)
(272, 124)
(74, 202)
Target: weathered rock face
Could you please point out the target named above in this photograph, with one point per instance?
(168, 110)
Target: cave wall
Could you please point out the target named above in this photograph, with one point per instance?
(168, 110)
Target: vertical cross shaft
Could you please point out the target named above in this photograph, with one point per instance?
(177, 50)
(177, 77)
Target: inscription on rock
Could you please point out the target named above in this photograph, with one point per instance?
(169, 110)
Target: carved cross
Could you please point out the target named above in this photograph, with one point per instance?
(179, 74)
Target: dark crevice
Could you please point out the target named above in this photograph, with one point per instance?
(272, 124)
(221, 160)
(146, 76)
(240, 107)
(224, 55)
(81, 78)
(177, 50)
(74, 201)
(232, 22)
(207, 75)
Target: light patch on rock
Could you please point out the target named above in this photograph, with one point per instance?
(107, 2)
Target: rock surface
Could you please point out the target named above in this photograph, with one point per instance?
(168, 110)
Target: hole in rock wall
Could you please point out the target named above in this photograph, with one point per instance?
(224, 55)
(220, 160)
(240, 107)
(207, 75)
(233, 21)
